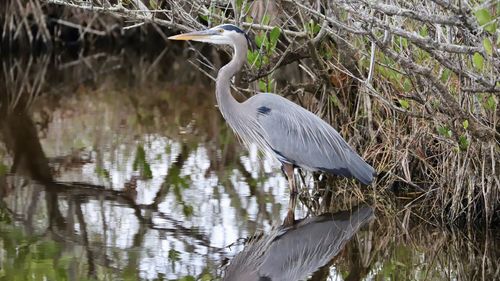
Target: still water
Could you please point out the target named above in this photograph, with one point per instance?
(120, 167)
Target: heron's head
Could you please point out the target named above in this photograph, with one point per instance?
(224, 34)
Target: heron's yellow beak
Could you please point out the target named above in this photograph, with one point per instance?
(196, 35)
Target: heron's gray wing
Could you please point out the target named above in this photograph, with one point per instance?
(299, 137)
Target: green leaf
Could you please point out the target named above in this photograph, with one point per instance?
(404, 104)
(485, 19)
(422, 55)
(239, 3)
(259, 38)
(273, 38)
(203, 17)
(407, 86)
(248, 18)
(491, 27)
(335, 101)
(478, 61)
(262, 86)
(266, 19)
(483, 16)
(465, 124)
(444, 131)
(274, 34)
(463, 142)
(424, 31)
(253, 58)
(404, 42)
(153, 4)
(487, 46)
(312, 27)
(490, 103)
(445, 75)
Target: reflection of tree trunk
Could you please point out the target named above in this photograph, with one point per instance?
(3, 186)
(56, 219)
(85, 238)
(356, 269)
(33, 204)
(21, 139)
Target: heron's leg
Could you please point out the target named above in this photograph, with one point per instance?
(288, 170)
(290, 217)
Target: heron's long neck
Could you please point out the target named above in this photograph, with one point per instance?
(227, 103)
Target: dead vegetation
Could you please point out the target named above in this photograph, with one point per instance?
(413, 85)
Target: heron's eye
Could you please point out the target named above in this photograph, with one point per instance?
(221, 30)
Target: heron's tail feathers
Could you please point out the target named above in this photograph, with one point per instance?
(353, 167)
(361, 170)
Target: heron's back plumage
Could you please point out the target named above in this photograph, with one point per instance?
(297, 136)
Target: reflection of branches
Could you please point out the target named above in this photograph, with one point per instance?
(256, 190)
(173, 172)
(178, 228)
(172, 178)
(63, 230)
(23, 82)
(81, 190)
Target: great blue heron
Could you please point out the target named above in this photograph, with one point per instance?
(279, 127)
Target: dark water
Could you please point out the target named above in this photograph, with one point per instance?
(120, 167)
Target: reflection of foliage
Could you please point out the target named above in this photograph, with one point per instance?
(141, 164)
(179, 183)
(187, 209)
(174, 255)
(422, 253)
(5, 216)
(3, 169)
(205, 276)
(102, 172)
(31, 258)
(130, 272)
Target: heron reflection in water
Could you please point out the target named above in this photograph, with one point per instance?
(295, 252)
(279, 127)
